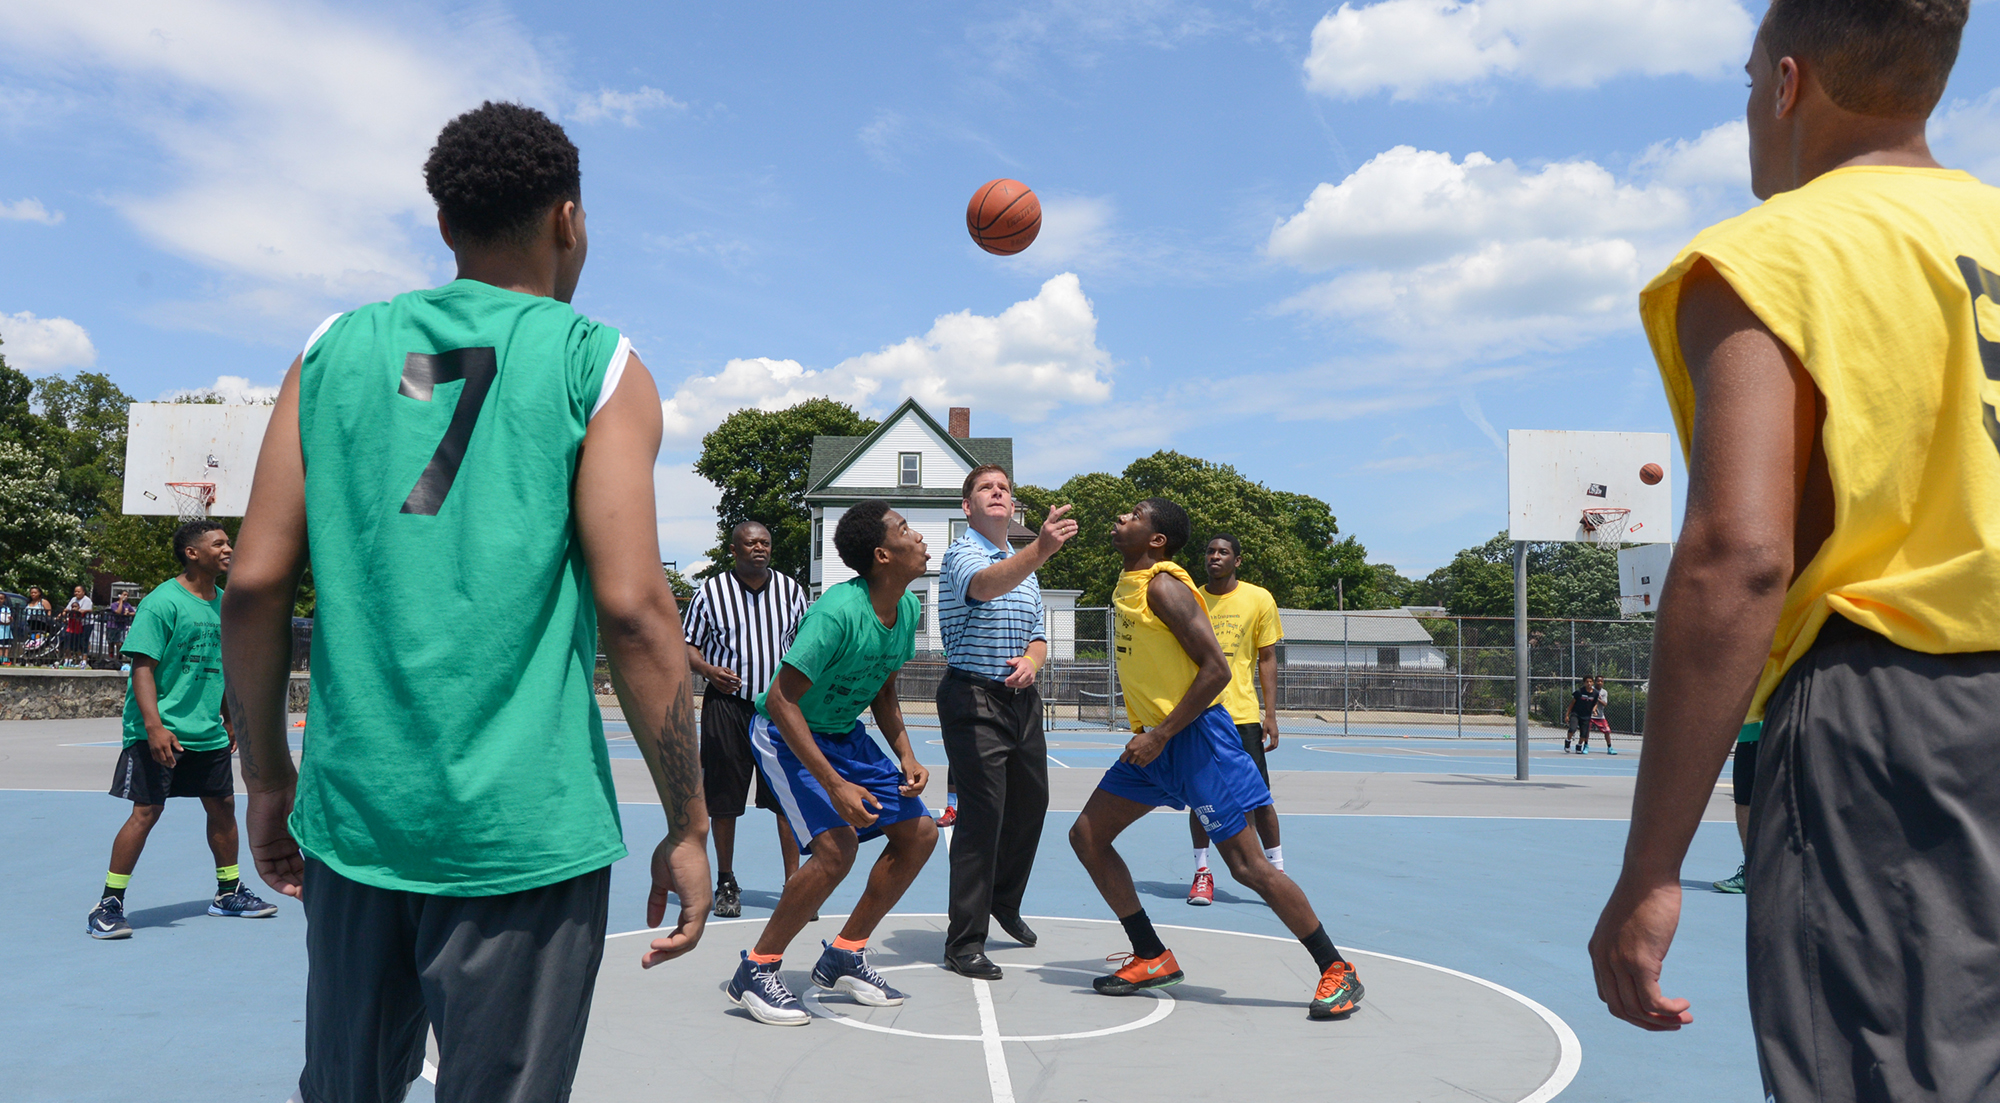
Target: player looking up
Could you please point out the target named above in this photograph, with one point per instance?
(177, 738)
(738, 624)
(452, 822)
(1833, 365)
(834, 782)
(1245, 619)
(1185, 753)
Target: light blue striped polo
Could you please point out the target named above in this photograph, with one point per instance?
(980, 636)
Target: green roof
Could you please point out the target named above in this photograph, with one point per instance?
(831, 455)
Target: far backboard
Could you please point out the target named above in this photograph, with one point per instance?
(1553, 475)
(191, 442)
(1642, 574)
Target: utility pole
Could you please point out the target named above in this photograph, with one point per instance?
(1522, 696)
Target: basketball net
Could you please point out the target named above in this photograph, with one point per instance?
(194, 499)
(1605, 527)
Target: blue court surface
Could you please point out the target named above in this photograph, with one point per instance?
(198, 1008)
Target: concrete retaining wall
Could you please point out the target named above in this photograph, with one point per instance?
(40, 693)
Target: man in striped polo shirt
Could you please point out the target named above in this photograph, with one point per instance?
(738, 627)
(990, 608)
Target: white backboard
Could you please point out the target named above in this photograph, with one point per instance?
(191, 442)
(1642, 574)
(1553, 475)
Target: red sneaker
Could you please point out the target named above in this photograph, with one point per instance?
(1136, 974)
(1202, 894)
(948, 817)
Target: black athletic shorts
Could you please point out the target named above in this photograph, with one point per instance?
(1253, 742)
(141, 780)
(1744, 776)
(728, 766)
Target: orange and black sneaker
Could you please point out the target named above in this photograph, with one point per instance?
(1136, 974)
(1338, 994)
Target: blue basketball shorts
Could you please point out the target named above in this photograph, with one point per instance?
(855, 756)
(1204, 767)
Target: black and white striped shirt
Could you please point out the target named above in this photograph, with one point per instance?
(745, 632)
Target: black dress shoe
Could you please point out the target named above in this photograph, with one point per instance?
(1016, 928)
(975, 965)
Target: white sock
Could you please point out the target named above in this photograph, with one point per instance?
(1200, 858)
(1277, 856)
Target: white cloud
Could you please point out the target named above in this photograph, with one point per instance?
(1412, 48)
(881, 137)
(1967, 135)
(35, 345)
(607, 103)
(29, 210)
(1719, 158)
(293, 135)
(1025, 362)
(1075, 229)
(230, 389)
(1479, 255)
(684, 509)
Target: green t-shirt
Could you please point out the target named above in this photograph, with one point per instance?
(453, 744)
(1751, 732)
(183, 634)
(847, 652)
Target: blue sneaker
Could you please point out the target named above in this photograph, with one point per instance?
(241, 904)
(1583, 750)
(107, 919)
(1732, 883)
(848, 971)
(758, 989)
(1610, 750)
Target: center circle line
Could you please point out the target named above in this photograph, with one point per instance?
(1163, 1005)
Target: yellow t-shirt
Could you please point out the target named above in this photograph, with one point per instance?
(1882, 281)
(1245, 619)
(1153, 669)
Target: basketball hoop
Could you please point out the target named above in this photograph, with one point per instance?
(194, 499)
(1604, 527)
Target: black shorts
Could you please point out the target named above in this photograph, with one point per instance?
(141, 780)
(728, 767)
(1253, 742)
(1743, 777)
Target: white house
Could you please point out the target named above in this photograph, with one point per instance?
(1375, 639)
(919, 467)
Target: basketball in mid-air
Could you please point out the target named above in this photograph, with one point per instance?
(1651, 474)
(1004, 217)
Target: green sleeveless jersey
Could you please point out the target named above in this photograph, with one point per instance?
(453, 744)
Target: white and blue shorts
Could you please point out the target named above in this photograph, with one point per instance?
(855, 756)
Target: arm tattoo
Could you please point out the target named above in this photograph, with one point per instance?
(680, 758)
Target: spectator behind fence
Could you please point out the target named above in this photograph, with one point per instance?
(6, 630)
(76, 629)
(119, 621)
(40, 617)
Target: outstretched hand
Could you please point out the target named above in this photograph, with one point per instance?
(1057, 529)
(1629, 949)
(679, 867)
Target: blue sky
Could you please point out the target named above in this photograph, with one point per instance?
(1344, 250)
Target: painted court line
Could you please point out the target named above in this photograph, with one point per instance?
(997, 1080)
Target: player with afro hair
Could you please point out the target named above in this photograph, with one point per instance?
(497, 169)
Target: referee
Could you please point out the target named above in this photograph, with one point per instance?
(990, 608)
(738, 626)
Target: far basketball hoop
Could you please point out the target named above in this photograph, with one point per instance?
(1598, 488)
(193, 499)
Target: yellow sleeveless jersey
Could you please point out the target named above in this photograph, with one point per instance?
(1883, 282)
(1153, 669)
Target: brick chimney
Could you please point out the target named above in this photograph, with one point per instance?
(961, 421)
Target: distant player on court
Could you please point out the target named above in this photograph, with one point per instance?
(835, 784)
(738, 624)
(1245, 619)
(451, 825)
(177, 743)
(1832, 360)
(1576, 716)
(1186, 753)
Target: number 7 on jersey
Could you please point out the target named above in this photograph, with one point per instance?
(423, 373)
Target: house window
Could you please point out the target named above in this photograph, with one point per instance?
(819, 535)
(922, 588)
(956, 531)
(1389, 658)
(909, 469)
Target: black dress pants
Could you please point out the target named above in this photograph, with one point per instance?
(1000, 763)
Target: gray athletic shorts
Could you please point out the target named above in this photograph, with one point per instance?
(504, 981)
(1874, 875)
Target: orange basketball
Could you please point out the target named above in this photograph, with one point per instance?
(1651, 474)
(1004, 217)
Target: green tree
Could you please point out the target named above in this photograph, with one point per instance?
(1564, 580)
(758, 459)
(83, 434)
(683, 589)
(1289, 540)
(41, 540)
